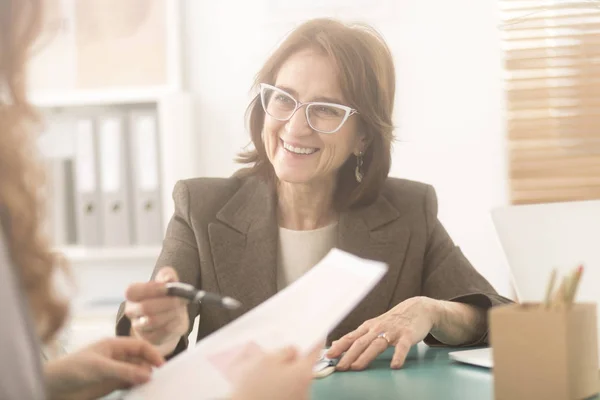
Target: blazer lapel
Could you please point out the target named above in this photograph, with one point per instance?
(244, 245)
(376, 233)
(244, 248)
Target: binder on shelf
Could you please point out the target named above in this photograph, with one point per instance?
(54, 195)
(114, 185)
(145, 177)
(87, 197)
(56, 146)
(61, 196)
(69, 201)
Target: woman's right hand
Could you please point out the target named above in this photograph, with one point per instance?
(160, 319)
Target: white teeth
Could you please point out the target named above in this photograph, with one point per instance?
(298, 150)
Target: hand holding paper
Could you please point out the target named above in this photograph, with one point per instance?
(285, 373)
(300, 316)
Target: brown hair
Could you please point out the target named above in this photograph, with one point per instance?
(21, 176)
(368, 82)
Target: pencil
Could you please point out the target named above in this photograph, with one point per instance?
(574, 284)
(569, 280)
(549, 288)
(559, 296)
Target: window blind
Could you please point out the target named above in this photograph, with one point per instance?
(552, 80)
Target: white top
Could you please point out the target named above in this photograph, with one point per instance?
(299, 251)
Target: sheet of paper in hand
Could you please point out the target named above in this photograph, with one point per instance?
(301, 315)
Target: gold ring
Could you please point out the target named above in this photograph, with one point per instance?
(143, 320)
(385, 337)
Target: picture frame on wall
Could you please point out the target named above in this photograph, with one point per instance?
(107, 45)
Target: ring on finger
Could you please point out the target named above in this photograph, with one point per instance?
(142, 322)
(385, 337)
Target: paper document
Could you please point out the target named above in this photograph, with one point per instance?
(301, 315)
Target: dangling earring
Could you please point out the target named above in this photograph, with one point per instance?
(358, 171)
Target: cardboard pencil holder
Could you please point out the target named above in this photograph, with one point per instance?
(544, 353)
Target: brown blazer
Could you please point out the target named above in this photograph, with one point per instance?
(223, 238)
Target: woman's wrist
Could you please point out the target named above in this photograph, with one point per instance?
(456, 323)
(54, 377)
(434, 310)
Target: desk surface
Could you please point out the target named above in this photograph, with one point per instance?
(427, 374)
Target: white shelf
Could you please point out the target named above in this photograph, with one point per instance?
(90, 254)
(94, 266)
(99, 97)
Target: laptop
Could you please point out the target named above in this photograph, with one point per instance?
(537, 238)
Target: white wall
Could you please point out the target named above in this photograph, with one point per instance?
(449, 110)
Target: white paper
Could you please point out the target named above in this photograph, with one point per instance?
(85, 160)
(110, 154)
(146, 147)
(301, 315)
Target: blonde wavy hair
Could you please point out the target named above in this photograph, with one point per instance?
(22, 207)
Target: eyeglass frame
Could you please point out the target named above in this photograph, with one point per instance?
(349, 110)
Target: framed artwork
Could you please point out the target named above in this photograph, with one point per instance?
(89, 45)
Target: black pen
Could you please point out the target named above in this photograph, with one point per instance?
(192, 294)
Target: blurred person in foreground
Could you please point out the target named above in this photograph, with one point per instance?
(33, 311)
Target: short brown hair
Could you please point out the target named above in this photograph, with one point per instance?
(368, 82)
(21, 177)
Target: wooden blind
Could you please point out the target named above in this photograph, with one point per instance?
(552, 66)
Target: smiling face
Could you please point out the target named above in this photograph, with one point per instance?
(298, 153)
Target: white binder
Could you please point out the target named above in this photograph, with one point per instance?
(61, 198)
(145, 177)
(114, 185)
(87, 198)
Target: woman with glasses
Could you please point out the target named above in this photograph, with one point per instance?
(317, 178)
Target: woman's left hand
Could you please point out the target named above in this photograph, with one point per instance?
(402, 327)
